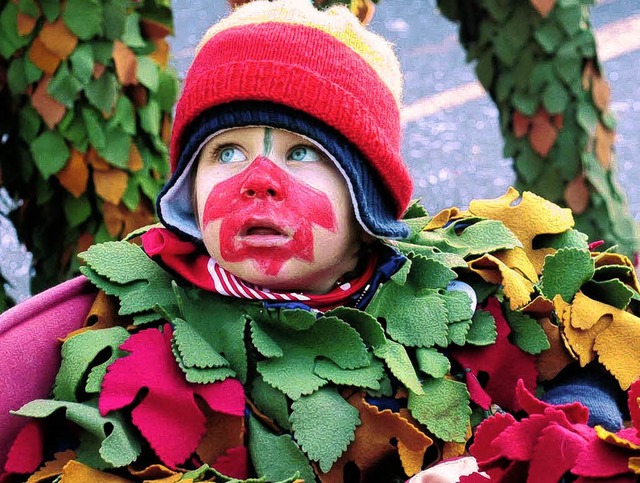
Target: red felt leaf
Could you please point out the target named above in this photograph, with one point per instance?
(575, 412)
(25, 455)
(483, 449)
(601, 460)
(234, 463)
(476, 392)
(167, 416)
(474, 478)
(634, 404)
(504, 362)
(555, 453)
(617, 479)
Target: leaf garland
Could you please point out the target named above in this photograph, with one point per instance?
(91, 86)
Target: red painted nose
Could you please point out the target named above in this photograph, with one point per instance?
(263, 180)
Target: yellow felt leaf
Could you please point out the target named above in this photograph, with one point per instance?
(516, 287)
(52, 468)
(110, 185)
(49, 109)
(135, 160)
(613, 438)
(531, 217)
(126, 63)
(634, 464)
(604, 145)
(96, 162)
(442, 218)
(102, 315)
(75, 175)
(74, 472)
(606, 258)
(58, 38)
(42, 57)
(25, 24)
(591, 327)
(156, 473)
(374, 440)
(516, 259)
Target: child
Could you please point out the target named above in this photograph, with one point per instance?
(284, 321)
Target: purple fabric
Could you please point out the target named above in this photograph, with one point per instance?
(30, 349)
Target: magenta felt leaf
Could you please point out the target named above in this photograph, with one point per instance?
(167, 416)
(575, 412)
(634, 404)
(601, 460)
(555, 453)
(504, 362)
(25, 454)
(483, 448)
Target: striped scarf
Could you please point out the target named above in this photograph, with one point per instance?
(194, 265)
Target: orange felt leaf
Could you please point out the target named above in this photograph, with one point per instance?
(153, 30)
(156, 473)
(98, 70)
(75, 471)
(576, 194)
(543, 7)
(591, 327)
(142, 216)
(521, 124)
(161, 53)
(615, 439)
(374, 440)
(590, 71)
(25, 24)
(97, 162)
(113, 219)
(120, 221)
(531, 217)
(539, 307)
(102, 315)
(558, 121)
(363, 9)
(442, 218)
(454, 450)
(75, 175)
(58, 38)
(138, 95)
(135, 160)
(223, 431)
(554, 359)
(604, 144)
(165, 130)
(601, 92)
(49, 109)
(516, 287)
(126, 63)
(42, 57)
(110, 185)
(542, 135)
(52, 468)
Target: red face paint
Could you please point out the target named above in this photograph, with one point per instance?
(267, 216)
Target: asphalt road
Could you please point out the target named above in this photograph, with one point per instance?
(453, 148)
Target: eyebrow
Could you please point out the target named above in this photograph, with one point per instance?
(267, 142)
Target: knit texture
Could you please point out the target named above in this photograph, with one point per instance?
(324, 64)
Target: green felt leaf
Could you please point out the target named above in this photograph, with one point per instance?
(400, 277)
(564, 272)
(124, 116)
(74, 129)
(450, 260)
(263, 343)
(458, 332)
(608, 272)
(429, 274)
(324, 424)
(483, 329)
(433, 363)
(50, 153)
(526, 332)
(271, 402)
(115, 17)
(524, 102)
(82, 62)
(443, 408)
(16, 76)
(102, 51)
(482, 289)
(124, 270)
(568, 239)
(84, 18)
(296, 319)
(76, 210)
(555, 98)
(541, 76)
(398, 361)
(64, 87)
(150, 117)
(10, 40)
(485, 69)
(102, 92)
(95, 127)
(293, 372)
(587, 116)
(529, 165)
(549, 36)
(612, 292)
(458, 305)
(116, 148)
(212, 333)
(29, 122)
(415, 321)
(50, 8)
(276, 457)
(105, 442)
(415, 210)
(29, 7)
(167, 89)
(367, 326)
(132, 36)
(570, 18)
(79, 355)
(148, 73)
(368, 377)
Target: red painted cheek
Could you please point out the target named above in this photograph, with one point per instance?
(263, 195)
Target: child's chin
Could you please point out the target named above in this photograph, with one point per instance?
(291, 277)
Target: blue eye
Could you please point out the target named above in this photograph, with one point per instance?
(304, 154)
(231, 154)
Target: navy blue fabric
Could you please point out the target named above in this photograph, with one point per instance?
(375, 208)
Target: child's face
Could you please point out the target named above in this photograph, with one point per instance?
(275, 211)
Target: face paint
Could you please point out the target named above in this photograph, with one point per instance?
(267, 216)
(267, 142)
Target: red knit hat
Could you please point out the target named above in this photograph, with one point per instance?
(323, 63)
